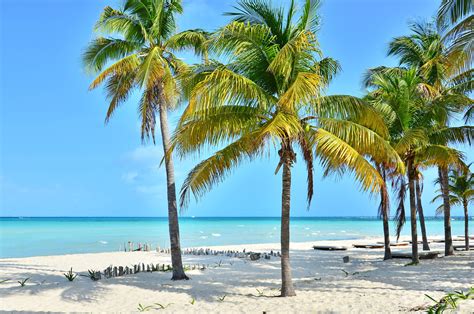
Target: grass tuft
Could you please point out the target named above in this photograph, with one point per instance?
(23, 282)
(70, 275)
(450, 301)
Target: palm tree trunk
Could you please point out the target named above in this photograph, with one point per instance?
(386, 230)
(173, 223)
(411, 186)
(448, 240)
(421, 216)
(466, 224)
(384, 209)
(287, 289)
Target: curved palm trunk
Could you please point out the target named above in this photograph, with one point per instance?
(414, 235)
(287, 289)
(173, 223)
(466, 224)
(421, 216)
(448, 240)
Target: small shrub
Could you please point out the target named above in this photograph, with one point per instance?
(23, 282)
(449, 301)
(92, 274)
(70, 275)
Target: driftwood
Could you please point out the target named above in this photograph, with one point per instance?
(329, 248)
(369, 246)
(396, 244)
(462, 247)
(421, 255)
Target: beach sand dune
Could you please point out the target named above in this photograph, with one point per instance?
(323, 282)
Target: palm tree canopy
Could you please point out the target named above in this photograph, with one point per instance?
(268, 93)
(455, 20)
(437, 63)
(461, 188)
(135, 49)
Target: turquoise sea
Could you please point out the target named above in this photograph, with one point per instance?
(21, 236)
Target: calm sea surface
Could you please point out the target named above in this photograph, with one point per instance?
(21, 237)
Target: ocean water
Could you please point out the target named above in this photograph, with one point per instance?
(21, 236)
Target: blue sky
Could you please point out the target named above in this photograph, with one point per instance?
(57, 158)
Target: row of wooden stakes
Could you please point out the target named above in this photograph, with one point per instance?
(114, 271)
(229, 253)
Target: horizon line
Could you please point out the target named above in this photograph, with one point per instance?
(210, 217)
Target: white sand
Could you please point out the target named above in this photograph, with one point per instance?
(377, 286)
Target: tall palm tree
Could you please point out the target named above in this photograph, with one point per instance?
(401, 96)
(443, 68)
(136, 52)
(461, 193)
(268, 95)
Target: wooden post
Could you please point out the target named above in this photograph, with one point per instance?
(120, 273)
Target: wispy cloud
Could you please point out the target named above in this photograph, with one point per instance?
(130, 177)
(145, 154)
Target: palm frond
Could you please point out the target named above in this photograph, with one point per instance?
(335, 153)
(215, 168)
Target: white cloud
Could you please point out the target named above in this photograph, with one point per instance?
(146, 154)
(130, 177)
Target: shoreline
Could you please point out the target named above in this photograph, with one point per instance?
(295, 245)
(370, 285)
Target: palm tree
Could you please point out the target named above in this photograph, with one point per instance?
(461, 193)
(268, 95)
(402, 97)
(443, 68)
(138, 53)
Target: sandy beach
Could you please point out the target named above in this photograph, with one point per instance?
(323, 281)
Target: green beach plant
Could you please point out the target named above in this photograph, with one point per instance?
(92, 274)
(269, 98)
(450, 301)
(70, 275)
(144, 308)
(154, 306)
(23, 282)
